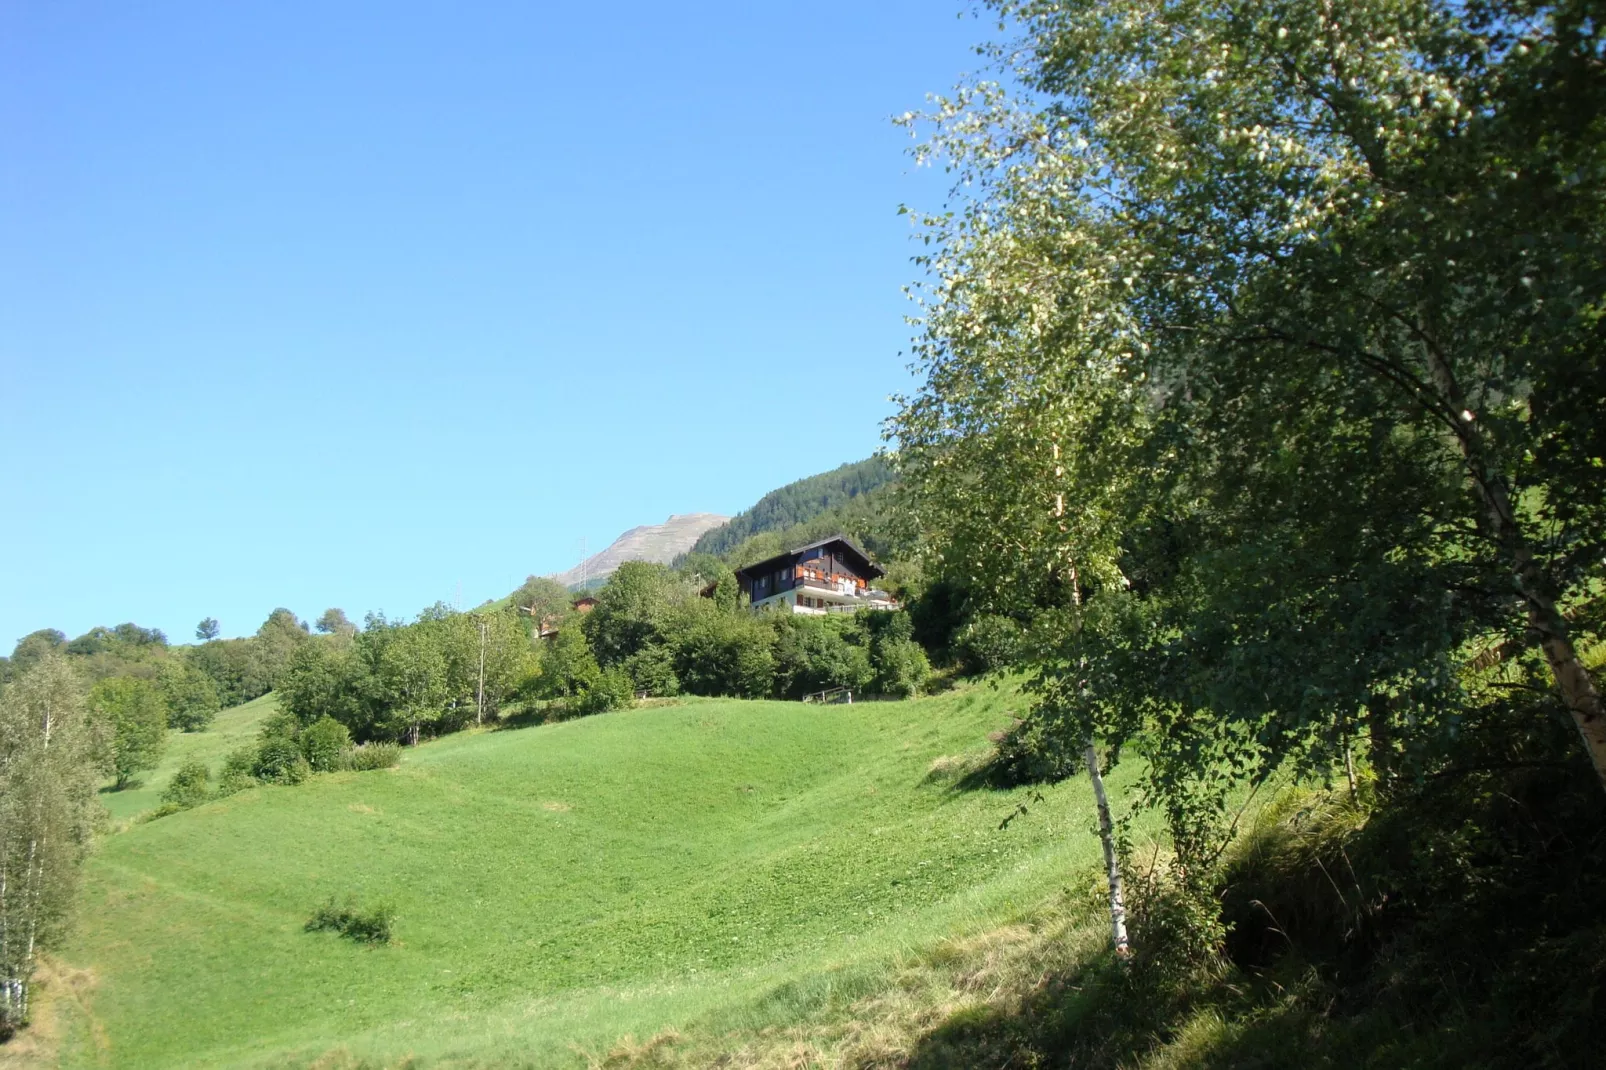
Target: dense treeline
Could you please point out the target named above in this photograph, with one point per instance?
(1263, 382)
(395, 681)
(795, 504)
(654, 631)
(139, 686)
(235, 670)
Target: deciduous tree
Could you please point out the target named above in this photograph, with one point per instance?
(335, 622)
(191, 697)
(136, 718)
(1255, 354)
(50, 759)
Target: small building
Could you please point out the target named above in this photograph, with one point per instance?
(829, 576)
(547, 627)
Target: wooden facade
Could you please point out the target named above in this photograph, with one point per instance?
(831, 575)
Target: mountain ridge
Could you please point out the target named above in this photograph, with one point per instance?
(658, 543)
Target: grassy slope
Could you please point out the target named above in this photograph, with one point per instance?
(233, 728)
(561, 886)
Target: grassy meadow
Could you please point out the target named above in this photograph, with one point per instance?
(233, 728)
(713, 865)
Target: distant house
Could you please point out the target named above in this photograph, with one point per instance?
(547, 628)
(829, 576)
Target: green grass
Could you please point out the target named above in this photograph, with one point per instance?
(557, 888)
(233, 728)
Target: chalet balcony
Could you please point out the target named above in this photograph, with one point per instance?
(844, 587)
(817, 597)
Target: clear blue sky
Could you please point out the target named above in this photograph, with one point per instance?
(363, 304)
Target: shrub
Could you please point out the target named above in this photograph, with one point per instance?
(371, 926)
(189, 787)
(901, 667)
(612, 690)
(724, 653)
(813, 654)
(370, 756)
(323, 742)
(652, 669)
(280, 761)
(989, 643)
(238, 772)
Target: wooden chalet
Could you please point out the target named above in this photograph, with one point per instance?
(829, 576)
(547, 627)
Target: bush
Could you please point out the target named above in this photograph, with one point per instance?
(815, 653)
(371, 926)
(652, 669)
(990, 643)
(370, 756)
(901, 667)
(323, 743)
(189, 787)
(238, 772)
(568, 667)
(724, 653)
(279, 761)
(612, 690)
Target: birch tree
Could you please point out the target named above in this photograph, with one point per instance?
(1400, 197)
(1022, 453)
(50, 760)
(1261, 359)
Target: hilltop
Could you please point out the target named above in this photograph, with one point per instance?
(659, 543)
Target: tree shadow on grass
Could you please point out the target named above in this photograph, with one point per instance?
(525, 719)
(995, 771)
(1101, 1016)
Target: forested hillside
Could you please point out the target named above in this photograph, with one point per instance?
(838, 500)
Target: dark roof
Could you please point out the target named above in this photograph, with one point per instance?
(868, 567)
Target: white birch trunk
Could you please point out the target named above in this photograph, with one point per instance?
(1112, 862)
(9, 998)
